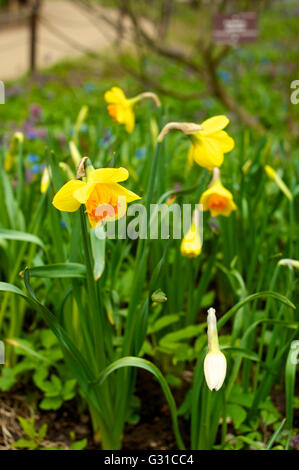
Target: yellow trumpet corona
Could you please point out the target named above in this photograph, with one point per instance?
(217, 199)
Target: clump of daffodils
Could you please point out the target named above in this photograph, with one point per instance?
(215, 361)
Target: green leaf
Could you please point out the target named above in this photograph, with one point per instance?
(51, 403)
(68, 389)
(28, 426)
(25, 347)
(236, 413)
(7, 234)
(59, 270)
(7, 379)
(185, 333)
(42, 432)
(241, 352)
(147, 365)
(25, 444)
(276, 435)
(259, 295)
(79, 445)
(163, 322)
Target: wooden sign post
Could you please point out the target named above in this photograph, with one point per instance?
(235, 29)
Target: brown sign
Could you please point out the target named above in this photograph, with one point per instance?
(235, 29)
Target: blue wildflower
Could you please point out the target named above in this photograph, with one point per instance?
(32, 158)
(140, 153)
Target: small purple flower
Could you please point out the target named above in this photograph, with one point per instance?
(35, 113)
(34, 133)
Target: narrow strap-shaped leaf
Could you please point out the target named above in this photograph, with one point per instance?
(59, 270)
(130, 361)
(20, 236)
(275, 435)
(259, 295)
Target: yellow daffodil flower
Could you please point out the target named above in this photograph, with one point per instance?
(218, 199)
(104, 198)
(215, 361)
(209, 141)
(274, 176)
(121, 108)
(191, 244)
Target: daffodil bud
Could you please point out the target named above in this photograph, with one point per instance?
(17, 140)
(274, 176)
(215, 361)
(75, 154)
(191, 244)
(45, 181)
(80, 120)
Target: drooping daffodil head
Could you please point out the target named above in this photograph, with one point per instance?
(192, 244)
(209, 142)
(215, 361)
(121, 108)
(104, 199)
(218, 200)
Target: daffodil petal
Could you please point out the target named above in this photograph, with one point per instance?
(225, 142)
(64, 199)
(82, 194)
(109, 175)
(207, 153)
(119, 190)
(115, 95)
(130, 120)
(214, 124)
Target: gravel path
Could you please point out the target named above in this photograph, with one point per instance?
(65, 31)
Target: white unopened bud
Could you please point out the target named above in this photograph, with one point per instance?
(215, 361)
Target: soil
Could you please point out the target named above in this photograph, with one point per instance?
(152, 432)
